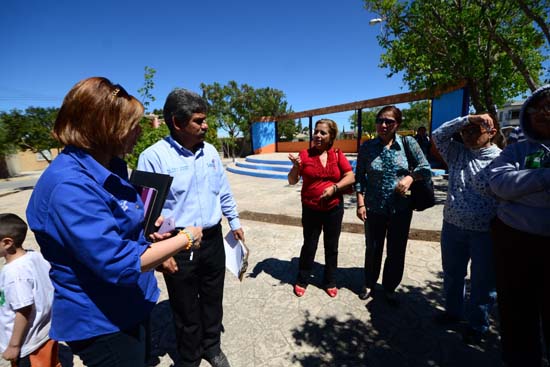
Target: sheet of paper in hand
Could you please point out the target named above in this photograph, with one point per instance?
(236, 255)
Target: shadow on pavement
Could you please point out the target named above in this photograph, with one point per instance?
(393, 336)
(389, 336)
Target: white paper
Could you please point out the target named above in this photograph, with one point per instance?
(235, 254)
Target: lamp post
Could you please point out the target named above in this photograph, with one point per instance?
(374, 21)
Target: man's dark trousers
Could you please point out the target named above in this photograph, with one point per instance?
(196, 295)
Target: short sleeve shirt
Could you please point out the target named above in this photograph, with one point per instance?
(317, 178)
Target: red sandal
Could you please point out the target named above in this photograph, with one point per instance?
(332, 292)
(299, 291)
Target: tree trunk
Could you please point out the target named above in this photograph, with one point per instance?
(545, 27)
(473, 90)
(518, 62)
(4, 172)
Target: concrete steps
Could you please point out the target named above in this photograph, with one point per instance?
(276, 166)
(273, 165)
(263, 167)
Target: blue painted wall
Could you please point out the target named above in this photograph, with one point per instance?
(263, 134)
(448, 106)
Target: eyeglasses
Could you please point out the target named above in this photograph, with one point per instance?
(381, 120)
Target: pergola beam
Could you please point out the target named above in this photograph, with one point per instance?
(368, 103)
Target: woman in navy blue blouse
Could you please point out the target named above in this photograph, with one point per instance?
(88, 222)
(383, 179)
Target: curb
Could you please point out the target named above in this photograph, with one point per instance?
(287, 220)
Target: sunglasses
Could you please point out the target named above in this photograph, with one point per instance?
(381, 120)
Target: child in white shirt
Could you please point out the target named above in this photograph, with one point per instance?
(26, 295)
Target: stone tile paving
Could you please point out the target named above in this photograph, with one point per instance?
(266, 325)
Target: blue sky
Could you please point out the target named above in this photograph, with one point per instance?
(318, 52)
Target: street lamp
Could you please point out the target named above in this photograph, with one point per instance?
(374, 21)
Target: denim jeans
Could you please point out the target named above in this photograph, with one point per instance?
(458, 247)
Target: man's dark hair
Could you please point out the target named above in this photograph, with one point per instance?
(182, 104)
(13, 227)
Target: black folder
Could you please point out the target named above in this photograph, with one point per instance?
(153, 188)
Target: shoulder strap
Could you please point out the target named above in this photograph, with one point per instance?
(407, 152)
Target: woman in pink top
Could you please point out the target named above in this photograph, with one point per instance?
(325, 174)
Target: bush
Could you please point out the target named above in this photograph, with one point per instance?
(150, 135)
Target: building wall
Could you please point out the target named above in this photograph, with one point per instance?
(347, 145)
(29, 161)
(508, 115)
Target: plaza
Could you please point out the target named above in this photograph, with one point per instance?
(265, 324)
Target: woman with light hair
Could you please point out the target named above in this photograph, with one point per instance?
(88, 221)
(325, 173)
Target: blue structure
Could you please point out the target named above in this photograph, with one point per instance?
(263, 137)
(448, 106)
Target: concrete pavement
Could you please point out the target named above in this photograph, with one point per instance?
(266, 325)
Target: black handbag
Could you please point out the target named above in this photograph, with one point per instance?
(422, 191)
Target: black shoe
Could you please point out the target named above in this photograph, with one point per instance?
(446, 319)
(391, 298)
(473, 337)
(366, 293)
(219, 360)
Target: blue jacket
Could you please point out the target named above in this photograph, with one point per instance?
(520, 178)
(88, 223)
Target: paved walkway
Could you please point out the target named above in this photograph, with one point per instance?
(266, 325)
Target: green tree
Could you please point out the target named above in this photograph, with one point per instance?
(36, 134)
(30, 130)
(287, 129)
(416, 115)
(148, 85)
(7, 143)
(367, 120)
(492, 45)
(9, 131)
(234, 106)
(413, 117)
(149, 136)
(212, 138)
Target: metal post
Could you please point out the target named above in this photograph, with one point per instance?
(277, 136)
(310, 130)
(359, 127)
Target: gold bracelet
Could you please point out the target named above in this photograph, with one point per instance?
(190, 239)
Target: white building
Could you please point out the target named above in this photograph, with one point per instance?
(508, 115)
